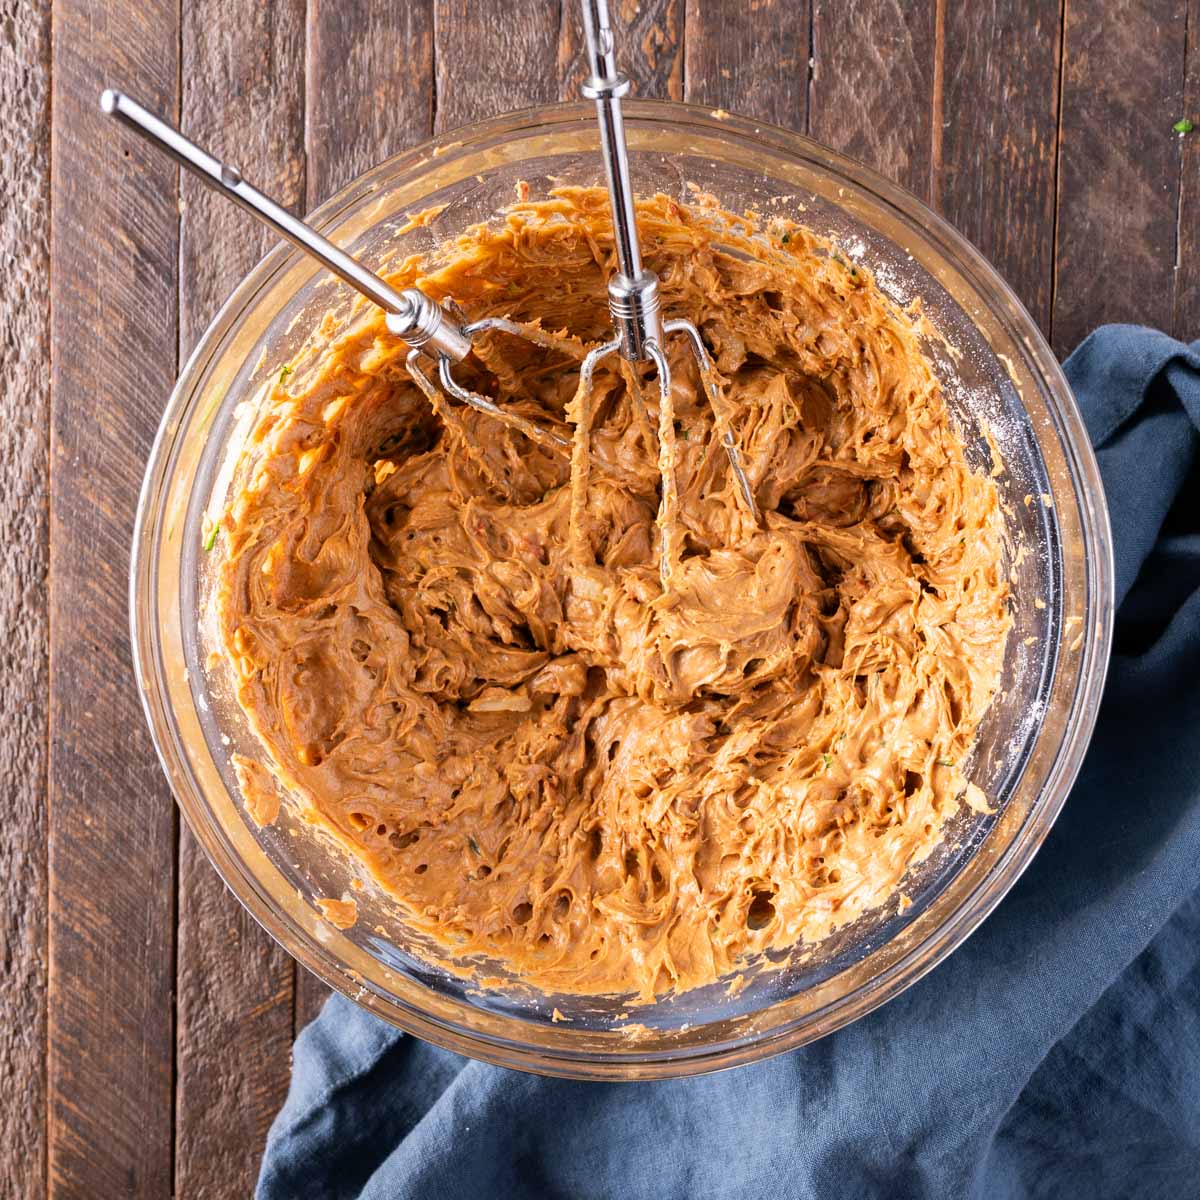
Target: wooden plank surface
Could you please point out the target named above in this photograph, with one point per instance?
(369, 95)
(873, 85)
(114, 251)
(243, 98)
(649, 37)
(995, 134)
(767, 42)
(24, 554)
(1118, 175)
(369, 90)
(493, 57)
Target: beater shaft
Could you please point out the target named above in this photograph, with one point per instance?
(633, 298)
(411, 315)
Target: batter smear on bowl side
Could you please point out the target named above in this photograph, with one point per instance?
(460, 654)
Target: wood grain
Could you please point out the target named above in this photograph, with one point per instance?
(493, 57)
(873, 85)
(995, 147)
(244, 99)
(1119, 166)
(369, 88)
(1187, 248)
(311, 995)
(24, 554)
(113, 262)
(649, 37)
(751, 59)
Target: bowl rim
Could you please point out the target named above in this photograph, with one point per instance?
(915, 961)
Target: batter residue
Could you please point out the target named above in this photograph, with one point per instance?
(461, 657)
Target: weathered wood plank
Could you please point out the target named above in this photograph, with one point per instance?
(311, 995)
(369, 90)
(493, 57)
(1118, 166)
(24, 554)
(750, 59)
(113, 263)
(1187, 250)
(243, 96)
(995, 144)
(650, 46)
(873, 85)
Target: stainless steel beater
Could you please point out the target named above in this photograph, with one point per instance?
(633, 296)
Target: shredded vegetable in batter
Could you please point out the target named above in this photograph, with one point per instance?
(456, 646)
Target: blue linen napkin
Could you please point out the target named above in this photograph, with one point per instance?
(1056, 1053)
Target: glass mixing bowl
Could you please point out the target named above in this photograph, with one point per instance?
(1001, 381)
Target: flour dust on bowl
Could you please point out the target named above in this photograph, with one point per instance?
(1020, 429)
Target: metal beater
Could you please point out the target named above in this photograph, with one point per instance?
(633, 298)
(431, 329)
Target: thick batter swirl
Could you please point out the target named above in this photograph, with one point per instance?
(460, 654)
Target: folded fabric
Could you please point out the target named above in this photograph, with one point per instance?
(1056, 1053)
